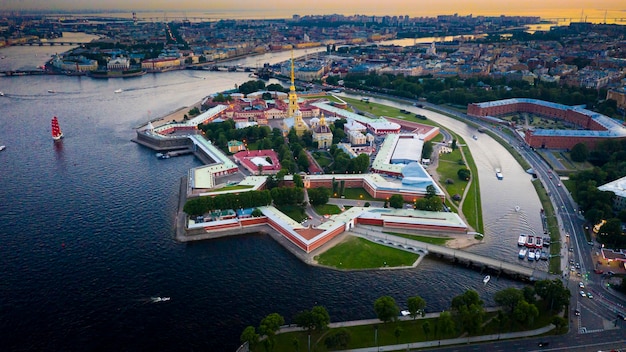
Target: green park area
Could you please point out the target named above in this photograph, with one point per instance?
(438, 241)
(359, 253)
(295, 212)
(234, 188)
(525, 309)
(387, 111)
(356, 193)
(324, 209)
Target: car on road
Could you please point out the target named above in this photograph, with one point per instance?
(558, 185)
(543, 343)
(577, 312)
(589, 295)
(582, 294)
(577, 265)
(581, 285)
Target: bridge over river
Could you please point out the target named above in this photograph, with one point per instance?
(375, 235)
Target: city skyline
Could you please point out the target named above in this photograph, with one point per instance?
(576, 9)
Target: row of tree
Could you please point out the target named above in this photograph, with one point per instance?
(466, 314)
(250, 199)
(608, 159)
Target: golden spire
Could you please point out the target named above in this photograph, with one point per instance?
(293, 78)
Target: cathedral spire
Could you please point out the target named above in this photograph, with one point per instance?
(293, 76)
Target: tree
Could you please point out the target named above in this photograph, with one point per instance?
(525, 312)
(464, 174)
(397, 332)
(554, 292)
(318, 196)
(579, 152)
(269, 325)
(427, 150)
(297, 181)
(468, 308)
(304, 319)
(337, 339)
(250, 336)
(386, 309)
(396, 201)
(256, 213)
(508, 298)
(426, 328)
(445, 323)
(321, 318)
(416, 306)
(454, 146)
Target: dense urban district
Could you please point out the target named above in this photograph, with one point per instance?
(348, 183)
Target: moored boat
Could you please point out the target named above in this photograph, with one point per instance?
(538, 242)
(530, 241)
(118, 91)
(2, 147)
(522, 253)
(521, 240)
(531, 255)
(57, 134)
(486, 279)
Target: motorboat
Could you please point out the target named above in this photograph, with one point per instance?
(160, 299)
(118, 91)
(51, 91)
(531, 255)
(1, 94)
(522, 253)
(486, 279)
(499, 175)
(530, 242)
(537, 254)
(538, 242)
(2, 147)
(544, 255)
(521, 240)
(162, 155)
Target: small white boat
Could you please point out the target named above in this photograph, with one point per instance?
(521, 240)
(118, 91)
(2, 147)
(1, 94)
(405, 313)
(160, 299)
(486, 279)
(51, 91)
(531, 255)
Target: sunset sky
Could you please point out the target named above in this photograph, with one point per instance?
(284, 8)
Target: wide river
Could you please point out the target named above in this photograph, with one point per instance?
(86, 229)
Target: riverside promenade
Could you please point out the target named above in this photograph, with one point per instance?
(431, 343)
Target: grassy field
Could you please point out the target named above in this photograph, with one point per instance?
(439, 241)
(293, 211)
(327, 209)
(384, 110)
(358, 253)
(447, 169)
(472, 207)
(356, 193)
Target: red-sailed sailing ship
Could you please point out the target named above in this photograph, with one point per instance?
(56, 130)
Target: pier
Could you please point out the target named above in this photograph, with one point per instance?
(458, 256)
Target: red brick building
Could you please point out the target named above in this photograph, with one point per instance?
(594, 127)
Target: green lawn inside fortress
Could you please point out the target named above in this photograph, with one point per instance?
(359, 253)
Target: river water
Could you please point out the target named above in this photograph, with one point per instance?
(86, 230)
